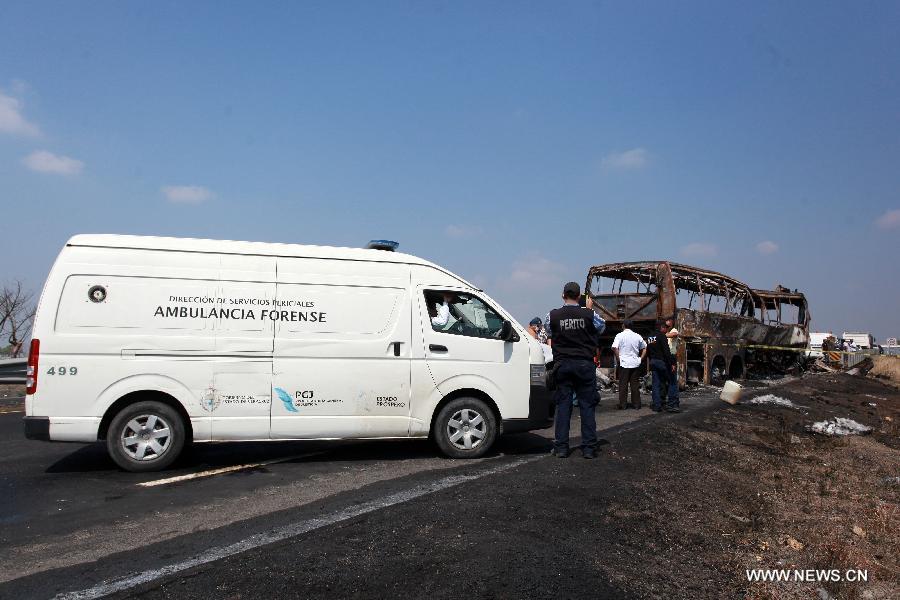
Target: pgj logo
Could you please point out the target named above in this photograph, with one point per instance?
(286, 399)
(210, 400)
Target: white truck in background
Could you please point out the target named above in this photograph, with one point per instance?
(860, 339)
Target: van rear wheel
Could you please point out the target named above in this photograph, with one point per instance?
(145, 436)
(465, 428)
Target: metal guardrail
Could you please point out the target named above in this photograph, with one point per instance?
(852, 359)
(12, 370)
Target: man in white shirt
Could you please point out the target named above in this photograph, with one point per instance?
(672, 335)
(536, 330)
(629, 349)
(443, 312)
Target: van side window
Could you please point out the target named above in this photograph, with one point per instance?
(462, 314)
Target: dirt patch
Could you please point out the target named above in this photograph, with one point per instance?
(887, 369)
(11, 397)
(753, 487)
(11, 390)
(824, 396)
(793, 499)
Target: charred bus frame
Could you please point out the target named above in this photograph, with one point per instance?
(726, 327)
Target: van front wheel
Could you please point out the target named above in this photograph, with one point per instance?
(465, 428)
(145, 436)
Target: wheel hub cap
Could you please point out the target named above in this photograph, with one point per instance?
(145, 437)
(466, 429)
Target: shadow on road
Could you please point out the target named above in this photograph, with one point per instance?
(87, 459)
(93, 458)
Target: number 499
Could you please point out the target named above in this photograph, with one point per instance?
(63, 371)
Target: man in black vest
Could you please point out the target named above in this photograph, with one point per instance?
(663, 367)
(573, 332)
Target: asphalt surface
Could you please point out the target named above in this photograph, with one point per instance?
(292, 519)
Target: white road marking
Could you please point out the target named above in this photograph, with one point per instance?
(283, 533)
(230, 469)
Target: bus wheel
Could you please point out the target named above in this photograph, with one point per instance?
(145, 436)
(465, 428)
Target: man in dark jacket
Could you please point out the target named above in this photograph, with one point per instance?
(662, 365)
(574, 331)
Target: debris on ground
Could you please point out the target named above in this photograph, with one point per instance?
(604, 381)
(821, 365)
(774, 400)
(862, 368)
(794, 543)
(731, 392)
(840, 426)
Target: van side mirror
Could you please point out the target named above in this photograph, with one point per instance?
(507, 333)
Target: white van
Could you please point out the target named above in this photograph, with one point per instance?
(150, 343)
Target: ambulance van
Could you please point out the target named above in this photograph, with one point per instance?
(150, 343)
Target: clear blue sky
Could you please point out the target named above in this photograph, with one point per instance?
(514, 143)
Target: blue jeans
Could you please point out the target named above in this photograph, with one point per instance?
(577, 377)
(673, 390)
(662, 375)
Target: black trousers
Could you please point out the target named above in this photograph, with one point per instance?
(576, 379)
(629, 378)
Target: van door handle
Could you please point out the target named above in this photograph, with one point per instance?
(437, 348)
(396, 348)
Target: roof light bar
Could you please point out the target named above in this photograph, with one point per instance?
(387, 245)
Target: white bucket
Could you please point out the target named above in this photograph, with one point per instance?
(731, 392)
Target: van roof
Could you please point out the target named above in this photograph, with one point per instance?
(143, 242)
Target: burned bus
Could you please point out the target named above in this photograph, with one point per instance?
(726, 328)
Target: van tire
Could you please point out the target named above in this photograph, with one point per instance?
(129, 437)
(465, 422)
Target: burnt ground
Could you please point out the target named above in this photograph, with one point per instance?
(11, 396)
(678, 508)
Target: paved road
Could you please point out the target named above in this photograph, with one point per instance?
(72, 521)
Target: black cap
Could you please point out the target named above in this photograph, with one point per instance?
(536, 321)
(571, 290)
